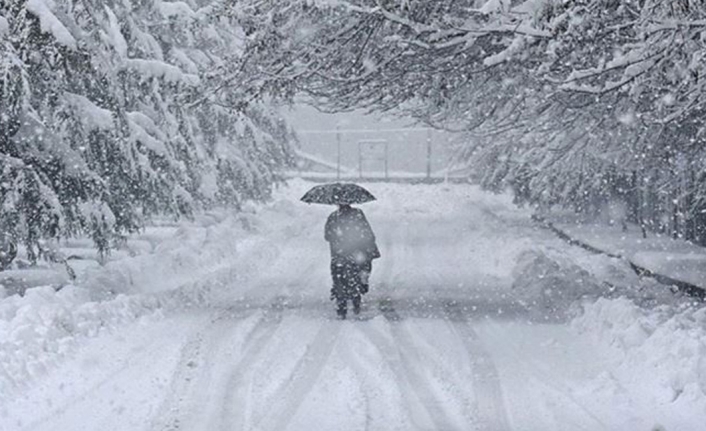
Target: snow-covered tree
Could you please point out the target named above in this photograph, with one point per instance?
(103, 122)
(570, 102)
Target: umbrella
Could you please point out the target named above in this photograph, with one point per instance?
(338, 194)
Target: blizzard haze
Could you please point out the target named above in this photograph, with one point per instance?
(407, 141)
(522, 247)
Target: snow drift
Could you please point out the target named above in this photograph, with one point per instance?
(40, 328)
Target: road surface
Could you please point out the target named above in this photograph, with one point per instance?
(441, 343)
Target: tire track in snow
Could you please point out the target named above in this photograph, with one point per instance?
(169, 414)
(414, 401)
(549, 382)
(486, 382)
(413, 358)
(193, 379)
(303, 378)
(191, 376)
(368, 382)
(415, 404)
(489, 401)
(416, 389)
(234, 403)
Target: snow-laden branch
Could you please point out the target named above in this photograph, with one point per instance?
(160, 69)
(49, 23)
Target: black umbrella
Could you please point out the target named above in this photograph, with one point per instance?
(338, 194)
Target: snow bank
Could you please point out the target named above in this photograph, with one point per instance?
(189, 258)
(650, 348)
(17, 281)
(667, 343)
(39, 329)
(549, 284)
(195, 266)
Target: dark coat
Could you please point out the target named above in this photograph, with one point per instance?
(350, 236)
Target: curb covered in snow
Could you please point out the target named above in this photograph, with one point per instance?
(683, 286)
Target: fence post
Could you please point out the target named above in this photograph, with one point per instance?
(338, 148)
(387, 152)
(428, 154)
(360, 160)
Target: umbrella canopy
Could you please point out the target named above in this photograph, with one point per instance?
(338, 194)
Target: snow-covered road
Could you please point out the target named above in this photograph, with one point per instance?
(444, 341)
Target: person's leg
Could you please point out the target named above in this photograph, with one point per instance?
(336, 278)
(364, 276)
(341, 307)
(354, 285)
(356, 304)
(338, 291)
(352, 279)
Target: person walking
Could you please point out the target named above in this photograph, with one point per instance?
(351, 240)
(353, 248)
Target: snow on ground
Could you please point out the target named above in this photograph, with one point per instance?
(43, 326)
(477, 319)
(659, 352)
